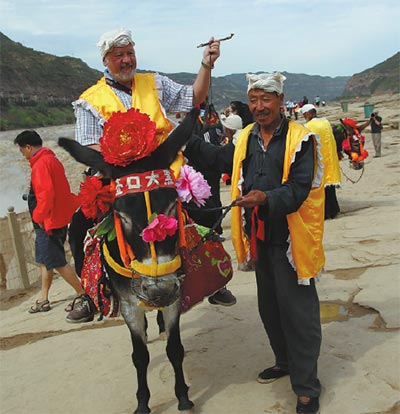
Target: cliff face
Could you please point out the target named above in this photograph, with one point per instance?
(382, 78)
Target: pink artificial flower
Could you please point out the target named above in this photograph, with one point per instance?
(192, 186)
(159, 228)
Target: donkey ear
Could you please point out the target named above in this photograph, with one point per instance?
(85, 155)
(166, 152)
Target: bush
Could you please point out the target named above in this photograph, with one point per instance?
(34, 115)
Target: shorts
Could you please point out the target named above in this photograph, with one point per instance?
(49, 250)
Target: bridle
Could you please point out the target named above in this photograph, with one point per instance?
(143, 183)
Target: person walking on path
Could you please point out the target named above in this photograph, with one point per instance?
(330, 159)
(51, 205)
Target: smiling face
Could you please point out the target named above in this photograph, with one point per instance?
(121, 62)
(265, 107)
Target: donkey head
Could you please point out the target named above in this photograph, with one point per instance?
(145, 188)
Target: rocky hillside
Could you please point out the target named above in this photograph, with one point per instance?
(382, 78)
(30, 75)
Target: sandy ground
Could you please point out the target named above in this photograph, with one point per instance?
(50, 367)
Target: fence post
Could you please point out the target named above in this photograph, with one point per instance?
(18, 246)
(3, 273)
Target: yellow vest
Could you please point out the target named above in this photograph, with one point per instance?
(330, 160)
(306, 225)
(103, 99)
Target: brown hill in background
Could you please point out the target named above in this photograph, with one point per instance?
(382, 78)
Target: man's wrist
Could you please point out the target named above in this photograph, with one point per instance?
(207, 65)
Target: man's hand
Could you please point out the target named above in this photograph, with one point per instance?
(211, 52)
(252, 199)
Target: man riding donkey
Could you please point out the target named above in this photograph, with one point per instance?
(120, 89)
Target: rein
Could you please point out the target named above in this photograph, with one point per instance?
(349, 179)
(210, 234)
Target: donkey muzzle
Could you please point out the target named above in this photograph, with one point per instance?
(157, 291)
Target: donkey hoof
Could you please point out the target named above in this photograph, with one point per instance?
(142, 410)
(185, 406)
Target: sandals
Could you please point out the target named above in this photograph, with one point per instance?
(43, 306)
(311, 407)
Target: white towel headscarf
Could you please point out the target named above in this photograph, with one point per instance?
(115, 38)
(269, 82)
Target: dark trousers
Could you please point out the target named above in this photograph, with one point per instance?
(290, 314)
(331, 204)
(76, 235)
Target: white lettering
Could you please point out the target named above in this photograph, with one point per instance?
(118, 187)
(133, 182)
(152, 179)
(168, 178)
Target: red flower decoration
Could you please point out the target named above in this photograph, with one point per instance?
(95, 198)
(159, 228)
(128, 136)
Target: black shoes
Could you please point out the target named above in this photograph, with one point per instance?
(271, 374)
(312, 407)
(83, 310)
(223, 297)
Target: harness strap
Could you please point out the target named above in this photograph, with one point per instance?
(123, 271)
(181, 224)
(152, 247)
(125, 250)
(159, 269)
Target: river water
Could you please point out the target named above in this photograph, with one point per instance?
(15, 169)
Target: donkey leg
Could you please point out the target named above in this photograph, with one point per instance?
(175, 352)
(136, 321)
(141, 358)
(161, 325)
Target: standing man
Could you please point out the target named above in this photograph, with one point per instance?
(330, 159)
(282, 196)
(376, 128)
(278, 222)
(51, 205)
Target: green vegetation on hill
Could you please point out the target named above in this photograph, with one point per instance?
(37, 88)
(34, 114)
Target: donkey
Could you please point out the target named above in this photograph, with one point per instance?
(141, 289)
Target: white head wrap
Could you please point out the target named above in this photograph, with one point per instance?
(115, 38)
(269, 82)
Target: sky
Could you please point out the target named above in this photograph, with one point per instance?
(315, 37)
